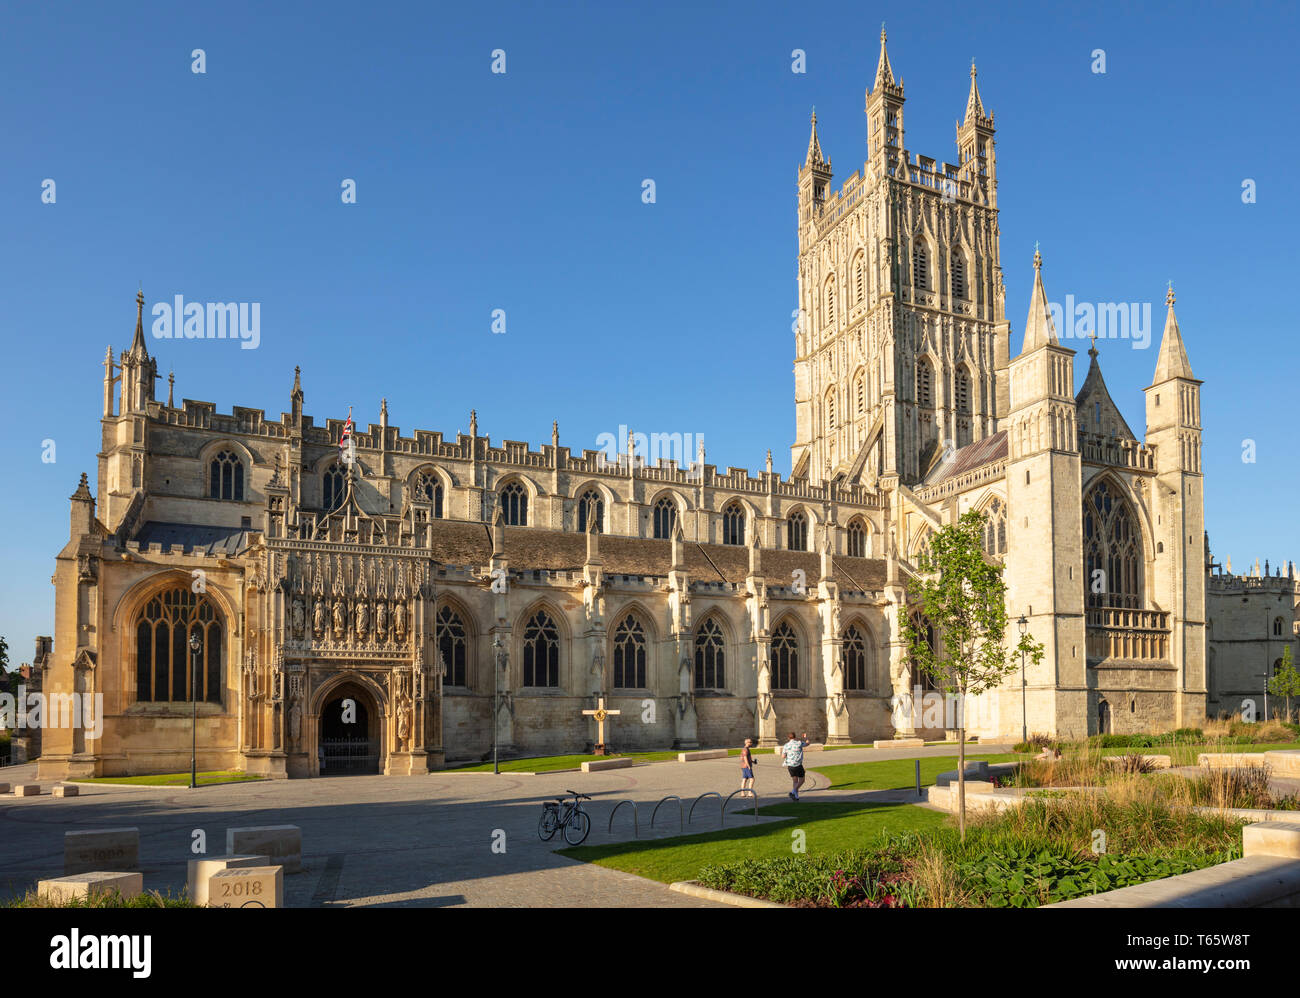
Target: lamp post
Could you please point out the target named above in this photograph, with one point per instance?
(497, 654)
(1023, 624)
(195, 647)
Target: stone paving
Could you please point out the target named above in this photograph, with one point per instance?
(403, 841)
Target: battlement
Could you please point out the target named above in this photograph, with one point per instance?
(1231, 584)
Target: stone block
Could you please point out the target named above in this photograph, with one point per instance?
(898, 743)
(719, 753)
(1284, 763)
(247, 887)
(65, 790)
(283, 843)
(978, 770)
(27, 789)
(1272, 838)
(1230, 760)
(112, 848)
(1156, 761)
(4, 788)
(201, 871)
(92, 882)
(596, 765)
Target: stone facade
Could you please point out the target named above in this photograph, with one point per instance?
(403, 598)
(1253, 619)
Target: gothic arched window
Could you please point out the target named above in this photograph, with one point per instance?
(629, 655)
(830, 302)
(857, 539)
(665, 519)
(227, 477)
(853, 658)
(733, 524)
(1277, 627)
(920, 270)
(514, 504)
(830, 410)
(164, 665)
(541, 651)
(710, 656)
(859, 283)
(785, 658)
(962, 391)
(995, 528)
(796, 532)
(453, 646)
(333, 486)
(958, 274)
(924, 384)
(1112, 549)
(428, 488)
(592, 504)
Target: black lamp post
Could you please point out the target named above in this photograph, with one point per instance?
(496, 693)
(195, 647)
(1023, 624)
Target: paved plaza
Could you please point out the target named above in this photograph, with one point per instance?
(402, 841)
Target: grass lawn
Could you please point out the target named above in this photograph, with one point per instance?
(550, 763)
(828, 828)
(173, 779)
(895, 774)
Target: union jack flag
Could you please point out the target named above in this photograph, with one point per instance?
(345, 440)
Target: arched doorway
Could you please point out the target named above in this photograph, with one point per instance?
(350, 732)
(1103, 718)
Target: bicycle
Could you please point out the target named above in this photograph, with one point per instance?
(568, 815)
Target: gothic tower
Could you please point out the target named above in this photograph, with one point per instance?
(901, 338)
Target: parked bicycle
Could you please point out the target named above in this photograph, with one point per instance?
(565, 814)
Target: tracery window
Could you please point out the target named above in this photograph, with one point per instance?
(924, 384)
(333, 486)
(226, 477)
(857, 539)
(591, 504)
(165, 671)
(995, 528)
(785, 658)
(733, 524)
(514, 504)
(665, 519)
(958, 274)
(453, 646)
(541, 651)
(428, 488)
(796, 532)
(710, 656)
(1112, 546)
(853, 658)
(920, 270)
(629, 655)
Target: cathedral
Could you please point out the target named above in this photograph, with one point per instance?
(329, 600)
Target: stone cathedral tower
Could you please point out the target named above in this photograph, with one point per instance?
(901, 341)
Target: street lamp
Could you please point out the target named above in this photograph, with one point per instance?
(1023, 624)
(497, 654)
(195, 647)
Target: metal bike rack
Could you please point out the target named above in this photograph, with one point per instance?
(722, 809)
(681, 820)
(691, 816)
(636, 827)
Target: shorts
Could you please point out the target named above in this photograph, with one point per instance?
(796, 771)
(746, 773)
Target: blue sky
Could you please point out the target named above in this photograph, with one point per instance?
(478, 191)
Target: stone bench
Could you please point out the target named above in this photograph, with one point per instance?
(713, 753)
(113, 848)
(65, 791)
(596, 765)
(1284, 762)
(898, 743)
(91, 883)
(202, 870)
(4, 788)
(1272, 838)
(247, 887)
(1230, 760)
(1155, 761)
(282, 843)
(978, 770)
(27, 789)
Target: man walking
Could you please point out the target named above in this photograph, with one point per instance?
(793, 752)
(747, 765)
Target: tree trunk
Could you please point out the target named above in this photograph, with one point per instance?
(961, 771)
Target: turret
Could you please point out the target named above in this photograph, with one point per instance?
(814, 181)
(975, 156)
(885, 117)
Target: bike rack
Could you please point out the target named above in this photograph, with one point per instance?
(680, 819)
(691, 816)
(722, 808)
(636, 828)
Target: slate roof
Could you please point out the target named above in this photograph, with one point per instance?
(195, 537)
(986, 451)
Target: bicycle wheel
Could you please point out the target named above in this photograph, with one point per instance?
(548, 823)
(575, 832)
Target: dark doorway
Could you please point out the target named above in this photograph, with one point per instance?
(349, 734)
(1103, 718)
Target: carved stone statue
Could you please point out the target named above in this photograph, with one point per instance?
(318, 620)
(381, 620)
(399, 620)
(403, 720)
(363, 618)
(295, 722)
(298, 617)
(340, 620)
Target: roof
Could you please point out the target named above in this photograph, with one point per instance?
(981, 452)
(1093, 394)
(196, 537)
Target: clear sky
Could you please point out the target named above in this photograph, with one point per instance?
(522, 191)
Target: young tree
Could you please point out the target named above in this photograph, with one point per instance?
(1285, 682)
(961, 594)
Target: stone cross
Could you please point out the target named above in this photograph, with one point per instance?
(600, 713)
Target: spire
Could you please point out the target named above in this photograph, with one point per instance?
(884, 72)
(555, 433)
(815, 157)
(171, 385)
(1039, 329)
(974, 106)
(138, 349)
(297, 383)
(1172, 362)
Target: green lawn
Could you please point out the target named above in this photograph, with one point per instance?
(173, 779)
(551, 763)
(827, 828)
(894, 774)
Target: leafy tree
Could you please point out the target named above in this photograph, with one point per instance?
(961, 593)
(1285, 682)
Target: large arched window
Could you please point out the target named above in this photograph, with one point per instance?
(733, 524)
(226, 477)
(165, 670)
(853, 658)
(796, 532)
(333, 486)
(710, 656)
(1112, 549)
(857, 539)
(541, 651)
(920, 267)
(665, 519)
(995, 528)
(591, 505)
(629, 655)
(1277, 627)
(514, 504)
(785, 658)
(453, 646)
(428, 488)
